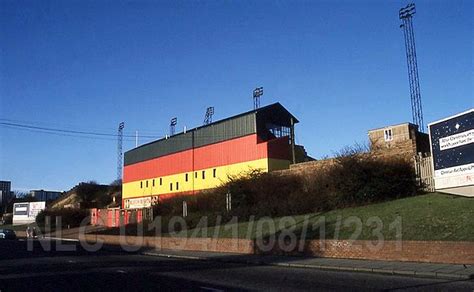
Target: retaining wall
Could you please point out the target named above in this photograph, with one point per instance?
(451, 252)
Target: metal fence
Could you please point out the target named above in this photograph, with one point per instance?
(424, 172)
(117, 217)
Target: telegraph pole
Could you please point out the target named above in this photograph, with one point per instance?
(119, 150)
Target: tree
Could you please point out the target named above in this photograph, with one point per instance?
(86, 191)
(117, 182)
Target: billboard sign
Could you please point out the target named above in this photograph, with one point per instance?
(35, 208)
(24, 213)
(139, 203)
(21, 209)
(452, 148)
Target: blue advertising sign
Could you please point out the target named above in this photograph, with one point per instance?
(452, 149)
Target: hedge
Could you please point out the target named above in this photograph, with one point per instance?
(353, 179)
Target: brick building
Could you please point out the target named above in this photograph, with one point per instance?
(401, 140)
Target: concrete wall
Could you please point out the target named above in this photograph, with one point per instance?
(308, 167)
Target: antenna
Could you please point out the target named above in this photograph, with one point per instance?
(257, 92)
(173, 123)
(406, 14)
(208, 117)
(119, 150)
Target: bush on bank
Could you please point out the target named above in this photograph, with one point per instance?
(353, 179)
(68, 217)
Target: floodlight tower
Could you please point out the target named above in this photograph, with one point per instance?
(257, 92)
(119, 150)
(405, 14)
(173, 123)
(208, 117)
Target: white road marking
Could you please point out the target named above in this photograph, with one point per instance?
(173, 256)
(210, 289)
(57, 273)
(62, 239)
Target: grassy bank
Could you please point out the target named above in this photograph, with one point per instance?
(425, 217)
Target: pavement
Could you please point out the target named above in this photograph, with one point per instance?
(414, 269)
(427, 270)
(67, 266)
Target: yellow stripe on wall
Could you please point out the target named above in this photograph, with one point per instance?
(196, 183)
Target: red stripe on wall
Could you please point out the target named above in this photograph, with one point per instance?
(170, 164)
(224, 153)
(229, 152)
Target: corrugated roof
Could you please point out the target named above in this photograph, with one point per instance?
(221, 130)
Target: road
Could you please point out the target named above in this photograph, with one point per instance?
(106, 270)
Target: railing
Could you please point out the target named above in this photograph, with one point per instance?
(115, 217)
(424, 173)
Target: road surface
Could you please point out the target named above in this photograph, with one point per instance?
(106, 270)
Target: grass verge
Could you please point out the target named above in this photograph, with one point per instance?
(426, 217)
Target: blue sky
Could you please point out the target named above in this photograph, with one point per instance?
(339, 66)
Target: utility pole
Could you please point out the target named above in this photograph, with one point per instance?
(406, 14)
(292, 140)
(228, 201)
(119, 150)
(185, 209)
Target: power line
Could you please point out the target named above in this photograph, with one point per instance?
(94, 135)
(71, 131)
(64, 134)
(107, 130)
(63, 125)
